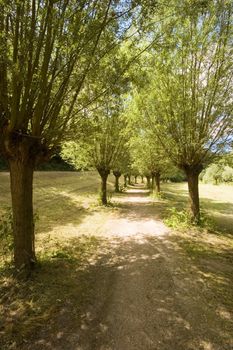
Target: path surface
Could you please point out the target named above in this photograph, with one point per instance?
(147, 295)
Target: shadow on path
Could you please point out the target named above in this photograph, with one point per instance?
(136, 286)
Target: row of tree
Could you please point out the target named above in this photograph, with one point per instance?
(133, 86)
(184, 96)
(54, 56)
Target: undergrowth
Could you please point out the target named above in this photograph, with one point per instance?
(157, 195)
(182, 219)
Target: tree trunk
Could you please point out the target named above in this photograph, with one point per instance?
(157, 182)
(152, 182)
(117, 175)
(125, 180)
(142, 178)
(117, 188)
(21, 175)
(135, 179)
(103, 194)
(192, 177)
(129, 179)
(148, 185)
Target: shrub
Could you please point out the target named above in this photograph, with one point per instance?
(181, 219)
(227, 174)
(178, 219)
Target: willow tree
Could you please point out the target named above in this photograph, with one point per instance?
(121, 166)
(47, 49)
(107, 140)
(149, 157)
(188, 102)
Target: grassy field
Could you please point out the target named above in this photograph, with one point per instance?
(216, 201)
(68, 247)
(62, 200)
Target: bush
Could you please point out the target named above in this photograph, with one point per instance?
(183, 220)
(227, 174)
(178, 219)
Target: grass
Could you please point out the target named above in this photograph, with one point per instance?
(58, 289)
(216, 202)
(70, 250)
(210, 247)
(65, 254)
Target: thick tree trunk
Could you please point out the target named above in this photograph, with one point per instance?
(148, 184)
(192, 177)
(142, 178)
(157, 182)
(135, 179)
(103, 194)
(21, 174)
(117, 175)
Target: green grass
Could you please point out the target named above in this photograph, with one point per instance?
(62, 200)
(69, 249)
(210, 247)
(216, 202)
(61, 284)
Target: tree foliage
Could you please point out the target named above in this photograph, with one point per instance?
(186, 99)
(48, 49)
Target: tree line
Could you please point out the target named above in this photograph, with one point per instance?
(137, 87)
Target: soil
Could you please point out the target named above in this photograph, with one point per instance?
(146, 292)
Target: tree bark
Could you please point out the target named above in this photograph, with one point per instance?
(148, 184)
(21, 175)
(192, 177)
(135, 179)
(117, 175)
(157, 182)
(129, 179)
(152, 182)
(142, 178)
(103, 194)
(125, 180)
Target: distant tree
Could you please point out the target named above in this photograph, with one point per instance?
(103, 140)
(107, 139)
(227, 174)
(149, 157)
(213, 174)
(219, 171)
(121, 166)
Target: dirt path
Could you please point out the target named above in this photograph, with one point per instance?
(148, 296)
(146, 292)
